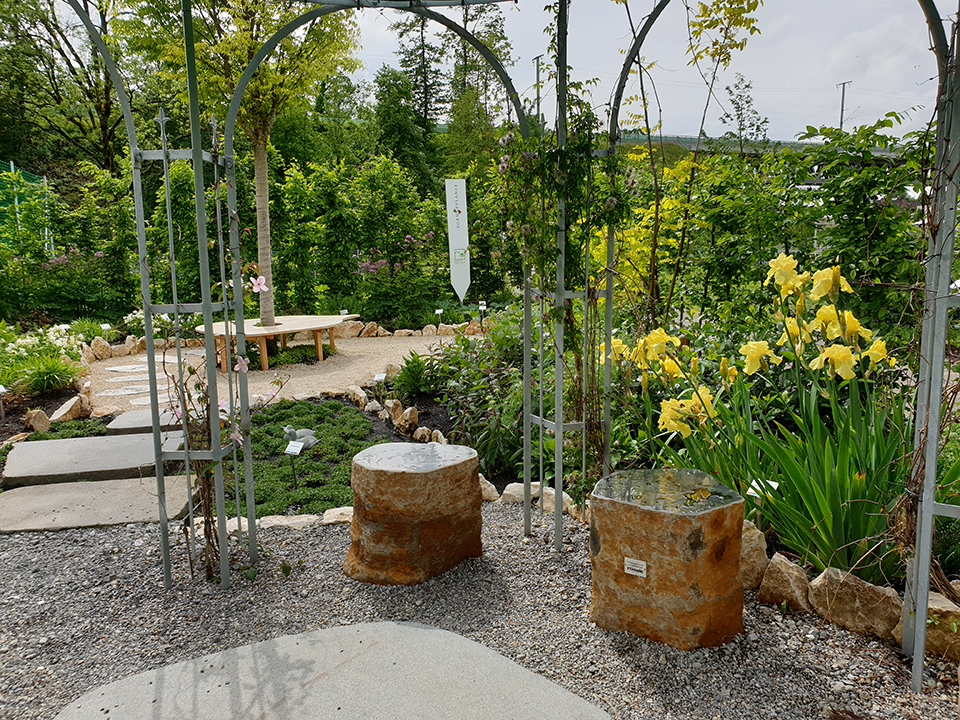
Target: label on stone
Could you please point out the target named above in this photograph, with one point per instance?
(634, 567)
(294, 447)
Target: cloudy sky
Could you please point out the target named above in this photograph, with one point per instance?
(805, 49)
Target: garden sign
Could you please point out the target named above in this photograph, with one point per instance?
(457, 232)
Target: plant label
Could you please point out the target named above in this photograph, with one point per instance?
(294, 447)
(634, 567)
(458, 236)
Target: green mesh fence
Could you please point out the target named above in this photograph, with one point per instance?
(22, 207)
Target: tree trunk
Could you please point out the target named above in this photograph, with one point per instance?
(262, 193)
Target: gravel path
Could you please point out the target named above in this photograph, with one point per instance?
(85, 607)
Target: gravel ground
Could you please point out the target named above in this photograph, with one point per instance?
(82, 608)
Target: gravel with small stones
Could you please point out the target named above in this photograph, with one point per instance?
(82, 608)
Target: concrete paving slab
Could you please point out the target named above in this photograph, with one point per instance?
(89, 504)
(377, 671)
(128, 378)
(128, 390)
(110, 457)
(141, 421)
(126, 369)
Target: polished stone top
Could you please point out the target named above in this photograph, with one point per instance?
(682, 491)
(412, 457)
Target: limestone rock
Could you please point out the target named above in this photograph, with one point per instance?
(408, 422)
(845, 600)
(472, 328)
(370, 330)
(87, 353)
(337, 516)
(294, 522)
(785, 582)
(384, 415)
(72, 409)
(753, 556)
(548, 500)
(373, 407)
(429, 330)
(487, 490)
(87, 390)
(417, 333)
(198, 342)
(662, 574)
(347, 329)
(120, 350)
(403, 333)
(356, 395)
(383, 332)
(104, 410)
(942, 617)
(513, 493)
(437, 437)
(422, 434)
(581, 514)
(446, 330)
(416, 512)
(392, 370)
(394, 410)
(15, 439)
(101, 348)
(37, 420)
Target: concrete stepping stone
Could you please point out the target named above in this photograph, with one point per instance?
(78, 505)
(128, 378)
(128, 390)
(373, 671)
(141, 421)
(126, 369)
(110, 457)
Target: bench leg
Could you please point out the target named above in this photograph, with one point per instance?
(220, 342)
(318, 341)
(264, 362)
(333, 345)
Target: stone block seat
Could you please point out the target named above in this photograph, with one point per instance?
(665, 554)
(416, 512)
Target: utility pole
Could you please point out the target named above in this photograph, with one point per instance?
(843, 97)
(539, 123)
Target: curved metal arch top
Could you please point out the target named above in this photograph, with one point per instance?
(334, 6)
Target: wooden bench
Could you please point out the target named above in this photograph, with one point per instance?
(285, 325)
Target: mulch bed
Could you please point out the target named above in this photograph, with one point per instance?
(16, 407)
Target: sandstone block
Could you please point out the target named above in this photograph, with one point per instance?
(15, 439)
(403, 333)
(784, 582)
(394, 410)
(294, 522)
(513, 493)
(488, 490)
(416, 512)
(370, 330)
(417, 333)
(72, 409)
(446, 330)
(548, 499)
(437, 437)
(943, 628)
(383, 332)
(472, 328)
(422, 434)
(846, 600)
(101, 348)
(408, 422)
(87, 353)
(37, 420)
(337, 516)
(753, 556)
(356, 395)
(104, 410)
(373, 407)
(665, 552)
(392, 370)
(429, 329)
(347, 329)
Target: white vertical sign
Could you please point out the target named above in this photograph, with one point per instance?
(457, 232)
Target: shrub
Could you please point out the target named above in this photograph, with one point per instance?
(45, 373)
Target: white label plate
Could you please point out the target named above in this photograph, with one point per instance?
(634, 567)
(294, 447)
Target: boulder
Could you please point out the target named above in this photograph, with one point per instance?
(487, 490)
(753, 556)
(347, 329)
(370, 330)
(392, 370)
(383, 332)
(87, 390)
(416, 512)
(394, 410)
(356, 395)
(101, 348)
(845, 600)
(943, 628)
(429, 330)
(141, 345)
(294, 522)
(581, 514)
(446, 330)
(417, 333)
(408, 422)
(513, 493)
(422, 434)
(437, 437)
(472, 328)
(15, 439)
(403, 333)
(86, 352)
(548, 501)
(373, 407)
(104, 410)
(784, 582)
(37, 420)
(384, 415)
(337, 516)
(196, 343)
(72, 409)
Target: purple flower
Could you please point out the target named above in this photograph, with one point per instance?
(242, 365)
(98, 254)
(259, 285)
(237, 437)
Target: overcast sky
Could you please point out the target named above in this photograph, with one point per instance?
(805, 49)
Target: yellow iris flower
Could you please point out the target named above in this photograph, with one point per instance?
(878, 352)
(677, 415)
(782, 269)
(839, 359)
(657, 342)
(756, 353)
(852, 329)
(793, 332)
(829, 281)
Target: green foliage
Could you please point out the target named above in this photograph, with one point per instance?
(88, 427)
(414, 377)
(322, 472)
(43, 373)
